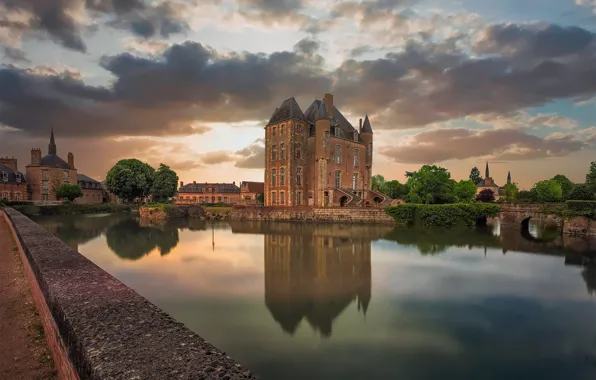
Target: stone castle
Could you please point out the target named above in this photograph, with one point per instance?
(317, 158)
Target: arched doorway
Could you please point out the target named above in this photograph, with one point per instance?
(377, 200)
(343, 201)
(326, 199)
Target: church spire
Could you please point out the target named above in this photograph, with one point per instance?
(486, 173)
(52, 145)
(509, 177)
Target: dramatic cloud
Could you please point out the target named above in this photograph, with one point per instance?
(275, 12)
(505, 144)
(522, 120)
(250, 157)
(175, 93)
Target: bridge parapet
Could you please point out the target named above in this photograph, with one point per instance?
(515, 214)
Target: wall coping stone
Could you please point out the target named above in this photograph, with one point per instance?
(109, 330)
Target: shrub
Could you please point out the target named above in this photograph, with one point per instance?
(581, 193)
(581, 206)
(450, 215)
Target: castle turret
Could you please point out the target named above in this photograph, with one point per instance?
(322, 149)
(52, 144)
(486, 172)
(509, 177)
(367, 138)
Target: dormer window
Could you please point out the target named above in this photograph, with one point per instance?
(5, 176)
(18, 176)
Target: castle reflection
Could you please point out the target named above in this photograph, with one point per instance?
(313, 272)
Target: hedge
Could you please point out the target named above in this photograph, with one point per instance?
(581, 205)
(449, 215)
(72, 208)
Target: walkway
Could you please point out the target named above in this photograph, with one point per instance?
(24, 354)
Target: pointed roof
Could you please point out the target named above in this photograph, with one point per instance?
(366, 127)
(486, 172)
(289, 109)
(52, 145)
(509, 177)
(321, 112)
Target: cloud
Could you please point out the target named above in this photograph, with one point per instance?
(504, 144)
(250, 157)
(175, 93)
(522, 120)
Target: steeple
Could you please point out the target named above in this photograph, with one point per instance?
(366, 127)
(52, 145)
(486, 173)
(509, 177)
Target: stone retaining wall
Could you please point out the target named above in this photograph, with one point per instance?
(351, 215)
(579, 226)
(98, 328)
(162, 212)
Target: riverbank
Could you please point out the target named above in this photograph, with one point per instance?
(71, 209)
(24, 353)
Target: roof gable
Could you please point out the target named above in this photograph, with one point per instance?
(289, 109)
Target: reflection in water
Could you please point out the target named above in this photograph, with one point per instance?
(324, 301)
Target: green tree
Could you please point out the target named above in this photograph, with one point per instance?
(165, 183)
(377, 182)
(548, 191)
(465, 190)
(581, 193)
(394, 189)
(486, 196)
(130, 179)
(475, 175)
(261, 198)
(566, 184)
(511, 192)
(526, 196)
(69, 191)
(431, 184)
(591, 177)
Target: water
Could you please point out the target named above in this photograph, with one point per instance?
(306, 301)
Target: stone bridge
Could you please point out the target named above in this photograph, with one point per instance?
(520, 215)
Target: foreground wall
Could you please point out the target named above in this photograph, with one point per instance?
(351, 215)
(98, 328)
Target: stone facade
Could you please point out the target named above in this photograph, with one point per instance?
(93, 191)
(199, 193)
(580, 225)
(13, 184)
(317, 158)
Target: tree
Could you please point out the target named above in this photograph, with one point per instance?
(261, 198)
(475, 175)
(377, 182)
(581, 193)
(431, 184)
(130, 179)
(511, 192)
(465, 190)
(69, 191)
(566, 184)
(394, 189)
(486, 196)
(591, 177)
(165, 183)
(526, 196)
(548, 191)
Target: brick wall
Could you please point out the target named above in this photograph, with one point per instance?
(580, 226)
(351, 215)
(13, 191)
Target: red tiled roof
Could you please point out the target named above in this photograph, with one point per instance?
(253, 187)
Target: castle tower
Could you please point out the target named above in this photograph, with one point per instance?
(367, 139)
(322, 149)
(52, 144)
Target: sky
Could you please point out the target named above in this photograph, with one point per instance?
(192, 83)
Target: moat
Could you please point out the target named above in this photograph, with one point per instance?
(330, 301)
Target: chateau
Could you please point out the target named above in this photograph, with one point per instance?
(317, 158)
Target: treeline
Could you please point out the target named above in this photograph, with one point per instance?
(433, 184)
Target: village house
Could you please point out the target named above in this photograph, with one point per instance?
(13, 184)
(194, 192)
(318, 159)
(488, 183)
(93, 191)
(250, 192)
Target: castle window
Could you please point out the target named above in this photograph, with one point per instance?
(355, 181)
(326, 139)
(273, 177)
(65, 175)
(282, 198)
(299, 176)
(5, 195)
(356, 158)
(274, 131)
(369, 150)
(274, 152)
(19, 177)
(273, 198)
(282, 176)
(337, 179)
(282, 130)
(355, 136)
(219, 199)
(299, 198)
(44, 185)
(299, 129)
(282, 151)
(338, 154)
(5, 176)
(17, 196)
(298, 148)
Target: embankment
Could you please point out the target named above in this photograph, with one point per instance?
(348, 215)
(98, 328)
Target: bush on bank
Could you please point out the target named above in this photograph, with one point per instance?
(70, 208)
(448, 215)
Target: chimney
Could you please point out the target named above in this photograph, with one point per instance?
(328, 100)
(360, 130)
(181, 183)
(71, 160)
(234, 183)
(35, 156)
(10, 162)
(195, 182)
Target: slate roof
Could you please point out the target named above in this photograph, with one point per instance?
(54, 161)
(88, 182)
(313, 114)
(289, 109)
(203, 187)
(254, 187)
(366, 127)
(483, 184)
(11, 175)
